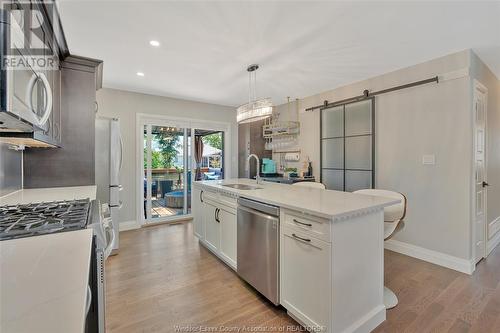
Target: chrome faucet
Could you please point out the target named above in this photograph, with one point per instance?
(258, 166)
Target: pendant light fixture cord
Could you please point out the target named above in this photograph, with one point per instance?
(249, 87)
(252, 83)
(255, 86)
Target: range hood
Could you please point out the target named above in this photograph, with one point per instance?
(28, 139)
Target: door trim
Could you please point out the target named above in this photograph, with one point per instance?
(478, 86)
(188, 123)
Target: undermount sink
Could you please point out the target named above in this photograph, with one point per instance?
(242, 186)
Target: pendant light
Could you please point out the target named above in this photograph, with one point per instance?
(255, 109)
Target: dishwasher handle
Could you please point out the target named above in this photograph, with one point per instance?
(258, 213)
(259, 207)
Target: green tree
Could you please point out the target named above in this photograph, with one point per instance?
(157, 160)
(167, 142)
(214, 140)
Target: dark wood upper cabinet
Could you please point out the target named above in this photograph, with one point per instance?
(72, 122)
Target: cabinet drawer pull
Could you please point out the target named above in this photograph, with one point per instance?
(217, 211)
(306, 224)
(302, 239)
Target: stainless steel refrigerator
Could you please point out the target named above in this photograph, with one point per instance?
(108, 164)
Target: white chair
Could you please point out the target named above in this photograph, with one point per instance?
(393, 222)
(311, 185)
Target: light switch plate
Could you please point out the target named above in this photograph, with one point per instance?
(429, 159)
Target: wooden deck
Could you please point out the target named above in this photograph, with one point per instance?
(160, 209)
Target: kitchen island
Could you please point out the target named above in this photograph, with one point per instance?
(331, 251)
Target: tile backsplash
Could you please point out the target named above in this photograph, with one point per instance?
(10, 170)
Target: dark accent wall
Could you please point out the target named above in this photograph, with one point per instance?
(251, 141)
(10, 170)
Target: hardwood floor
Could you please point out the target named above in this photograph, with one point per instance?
(437, 299)
(163, 278)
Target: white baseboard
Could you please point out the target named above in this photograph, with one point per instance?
(438, 258)
(493, 242)
(368, 322)
(129, 225)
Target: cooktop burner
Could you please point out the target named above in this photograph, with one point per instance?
(43, 218)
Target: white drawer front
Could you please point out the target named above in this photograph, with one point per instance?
(313, 226)
(209, 195)
(228, 200)
(306, 278)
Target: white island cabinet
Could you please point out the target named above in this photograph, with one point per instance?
(214, 218)
(197, 212)
(331, 249)
(305, 266)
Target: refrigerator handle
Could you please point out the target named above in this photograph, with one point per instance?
(119, 206)
(121, 153)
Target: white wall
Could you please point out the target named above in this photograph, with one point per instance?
(431, 119)
(483, 74)
(125, 105)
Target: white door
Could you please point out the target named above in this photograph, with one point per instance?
(197, 211)
(212, 225)
(228, 236)
(481, 184)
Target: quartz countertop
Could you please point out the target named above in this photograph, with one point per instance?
(323, 203)
(43, 282)
(26, 196)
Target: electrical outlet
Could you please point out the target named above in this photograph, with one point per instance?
(429, 159)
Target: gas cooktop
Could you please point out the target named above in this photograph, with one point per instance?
(43, 218)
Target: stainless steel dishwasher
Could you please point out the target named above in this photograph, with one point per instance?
(258, 247)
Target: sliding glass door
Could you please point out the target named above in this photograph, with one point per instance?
(166, 172)
(209, 154)
(348, 146)
(173, 153)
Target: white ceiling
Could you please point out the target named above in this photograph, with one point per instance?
(303, 48)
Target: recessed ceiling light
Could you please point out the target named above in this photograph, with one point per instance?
(140, 74)
(154, 43)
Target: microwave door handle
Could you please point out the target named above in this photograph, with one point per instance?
(48, 106)
(48, 93)
(29, 92)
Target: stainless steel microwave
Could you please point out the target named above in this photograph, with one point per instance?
(25, 93)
